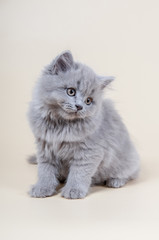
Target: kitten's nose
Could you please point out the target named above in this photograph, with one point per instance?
(79, 107)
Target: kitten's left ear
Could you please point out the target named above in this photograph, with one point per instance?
(63, 62)
(105, 81)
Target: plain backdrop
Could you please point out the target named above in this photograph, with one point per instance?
(114, 37)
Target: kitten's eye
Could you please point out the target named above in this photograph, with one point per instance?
(71, 91)
(89, 100)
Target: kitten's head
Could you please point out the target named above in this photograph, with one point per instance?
(72, 90)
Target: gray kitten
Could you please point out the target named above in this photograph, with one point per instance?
(80, 137)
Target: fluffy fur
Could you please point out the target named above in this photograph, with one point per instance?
(82, 146)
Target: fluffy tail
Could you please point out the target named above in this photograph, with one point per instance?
(32, 159)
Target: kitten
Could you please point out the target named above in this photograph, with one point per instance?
(80, 138)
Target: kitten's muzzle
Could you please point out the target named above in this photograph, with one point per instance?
(78, 107)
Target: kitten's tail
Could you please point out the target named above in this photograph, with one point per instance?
(32, 159)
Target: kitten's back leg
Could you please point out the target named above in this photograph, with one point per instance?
(116, 182)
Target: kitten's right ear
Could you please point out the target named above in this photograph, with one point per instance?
(105, 81)
(62, 63)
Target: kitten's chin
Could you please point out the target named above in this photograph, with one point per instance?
(71, 115)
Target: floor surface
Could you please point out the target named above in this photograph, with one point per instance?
(131, 212)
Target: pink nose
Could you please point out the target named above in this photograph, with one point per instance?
(79, 107)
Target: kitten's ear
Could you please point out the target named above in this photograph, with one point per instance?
(62, 63)
(105, 81)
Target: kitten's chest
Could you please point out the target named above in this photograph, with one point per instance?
(61, 139)
(62, 150)
(57, 144)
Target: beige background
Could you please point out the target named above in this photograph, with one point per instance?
(115, 37)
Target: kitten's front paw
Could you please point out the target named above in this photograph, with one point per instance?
(73, 193)
(38, 191)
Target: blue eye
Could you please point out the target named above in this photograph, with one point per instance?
(71, 92)
(89, 100)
